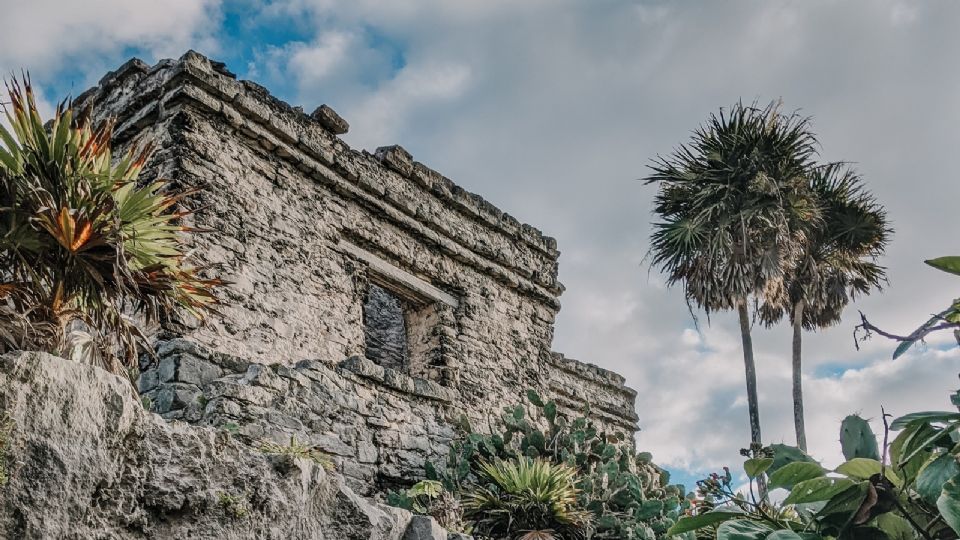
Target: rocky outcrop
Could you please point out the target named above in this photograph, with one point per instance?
(82, 459)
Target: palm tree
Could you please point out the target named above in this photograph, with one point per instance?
(731, 203)
(836, 264)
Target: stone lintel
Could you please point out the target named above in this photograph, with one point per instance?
(410, 286)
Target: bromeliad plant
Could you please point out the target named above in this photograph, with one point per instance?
(531, 496)
(85, 248)
(910, 491)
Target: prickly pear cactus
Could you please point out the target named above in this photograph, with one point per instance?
(857, 439)
(629, 496)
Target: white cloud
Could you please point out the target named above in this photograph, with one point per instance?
(313, 63)
(45, 36)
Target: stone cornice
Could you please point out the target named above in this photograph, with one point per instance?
(301, 139)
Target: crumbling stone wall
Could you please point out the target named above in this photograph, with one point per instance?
(305, 227)
(379, 425)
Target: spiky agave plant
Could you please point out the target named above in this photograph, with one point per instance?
(526, 498)
(85, 248)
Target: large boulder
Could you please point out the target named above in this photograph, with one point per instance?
(82, 459)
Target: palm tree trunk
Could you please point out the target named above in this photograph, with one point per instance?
(751, 373)
(753, 406)
(797, 374)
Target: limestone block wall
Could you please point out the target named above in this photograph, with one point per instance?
(378, 425)
(304, 226)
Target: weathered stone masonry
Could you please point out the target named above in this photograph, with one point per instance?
(306, 229)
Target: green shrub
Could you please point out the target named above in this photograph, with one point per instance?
(626, 495)
(910, 491)
(234, 506)
(428, 497)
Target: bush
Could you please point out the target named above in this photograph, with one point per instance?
(625, 494)
(909, 489)
(85, 248)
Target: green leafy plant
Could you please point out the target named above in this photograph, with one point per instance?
(627, 496)
(526, 495)
(86, 249)
(907, 489)
(428, 497)
(298, 450)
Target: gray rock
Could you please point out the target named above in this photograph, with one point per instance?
(84, 460)
(396, 157)
(329, 119)
(425, 528)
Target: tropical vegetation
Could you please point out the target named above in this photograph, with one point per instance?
(907, 489)
(730, 204)
(836, 262)
(546, 476)
(88, 252)
(749, 219)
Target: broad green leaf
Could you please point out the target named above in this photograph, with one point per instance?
(949, 504)
(918, 444)
(949, 264)
(793, 473)
(692, 523)
(841, 508)
(792, 535)
(784, 455)
(931, 479)
(905, 443)
(894, 526)
(817, 489)
(926, 416)
(534, 397)
(863, 469)
(743, 529)
(756, 466)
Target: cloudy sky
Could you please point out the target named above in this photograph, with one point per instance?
(552, 110)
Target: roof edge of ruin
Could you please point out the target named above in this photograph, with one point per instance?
(199, 67)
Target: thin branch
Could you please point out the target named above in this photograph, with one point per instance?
(886, 439)
(867, 327)
(915, 525)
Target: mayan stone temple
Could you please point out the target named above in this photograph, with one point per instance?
(373, 310)
(372, 306)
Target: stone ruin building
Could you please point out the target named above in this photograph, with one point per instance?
(373, 303)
